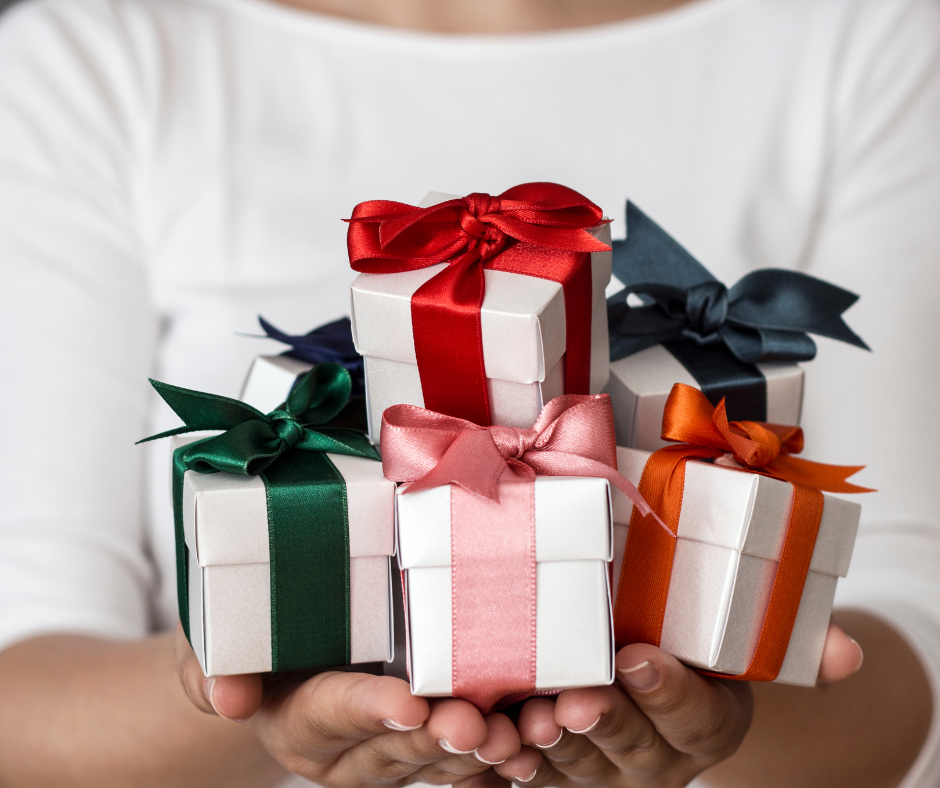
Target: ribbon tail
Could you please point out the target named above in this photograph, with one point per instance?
(782, 300)
(831, 478)
(552, 463)
(168, 434)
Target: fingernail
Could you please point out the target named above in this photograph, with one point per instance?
(397, 726)
(861, 653)
(547, 746)
(588, 729)
(448, 747)
(207, 688)
(640, 677)
(526, 779)
(481, 759)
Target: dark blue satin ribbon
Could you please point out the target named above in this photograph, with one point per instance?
(331, 342)
(766, 316)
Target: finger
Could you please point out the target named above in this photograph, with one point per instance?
(452, 732)
(233, 697)
(528, 768)
(334, 711)
(502, 742)
(488, 779)
(841, 657)
(537, 724)
(612, 734)
(705, 718)
(571, 754)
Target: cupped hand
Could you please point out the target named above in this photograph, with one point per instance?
(661, 724)
(352, 729)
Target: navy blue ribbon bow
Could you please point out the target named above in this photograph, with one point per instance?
(766, 316)
(332, 342)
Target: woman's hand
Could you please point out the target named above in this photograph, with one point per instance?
(352, 729)
(662, 726)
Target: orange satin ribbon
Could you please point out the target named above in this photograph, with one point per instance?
(767, 449)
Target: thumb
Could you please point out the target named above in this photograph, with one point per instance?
(842, 656)
(232, 697)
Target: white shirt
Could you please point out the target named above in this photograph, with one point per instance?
(170, 169)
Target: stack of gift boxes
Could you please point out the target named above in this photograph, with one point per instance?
(560, 475)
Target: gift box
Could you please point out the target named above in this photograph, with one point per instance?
(573, 544)
(730, 536)
(524, 335)
(284, 531)
(675, 323)
(271, 377)
(225, 521)
(504, 545)
(639, 385)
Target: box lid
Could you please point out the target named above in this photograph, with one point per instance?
(270, 380)
(522, 317)
(572, 522)
(225, 518)
(746, 512)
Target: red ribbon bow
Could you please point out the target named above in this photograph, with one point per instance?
(757, 447)
(492, 508)
(536, 229)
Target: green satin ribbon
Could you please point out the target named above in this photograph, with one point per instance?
(308, 523)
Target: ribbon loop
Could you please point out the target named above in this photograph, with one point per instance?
(253, 440)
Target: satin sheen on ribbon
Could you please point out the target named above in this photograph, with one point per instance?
(307, 509)
(535, 229)
(493, 472)
(705, 433)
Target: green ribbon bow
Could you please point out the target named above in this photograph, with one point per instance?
(308, 524)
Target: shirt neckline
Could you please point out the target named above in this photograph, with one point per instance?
(302, 22)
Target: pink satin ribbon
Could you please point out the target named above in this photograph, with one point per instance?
(493, 568)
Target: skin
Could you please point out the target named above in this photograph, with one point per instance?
(87, 712)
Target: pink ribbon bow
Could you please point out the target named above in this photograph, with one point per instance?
(493, 569)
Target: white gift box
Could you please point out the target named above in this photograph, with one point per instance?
(229, 580)
(524, 336)
(270, 380)
(574, 629)
(640, 384)
(730, 537)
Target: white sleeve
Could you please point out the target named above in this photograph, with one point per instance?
(77, 330)
(879, 235)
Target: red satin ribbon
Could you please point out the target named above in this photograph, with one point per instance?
(493, 471)
(536, 229)
(760, 448)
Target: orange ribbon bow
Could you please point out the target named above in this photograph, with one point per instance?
(704, 432)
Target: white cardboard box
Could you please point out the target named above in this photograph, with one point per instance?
(730, 537)
(270, 380)
(574, 628)
(226, 528)
(640, 384)
(523, 325)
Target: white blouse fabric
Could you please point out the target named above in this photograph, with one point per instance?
(170, 169)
